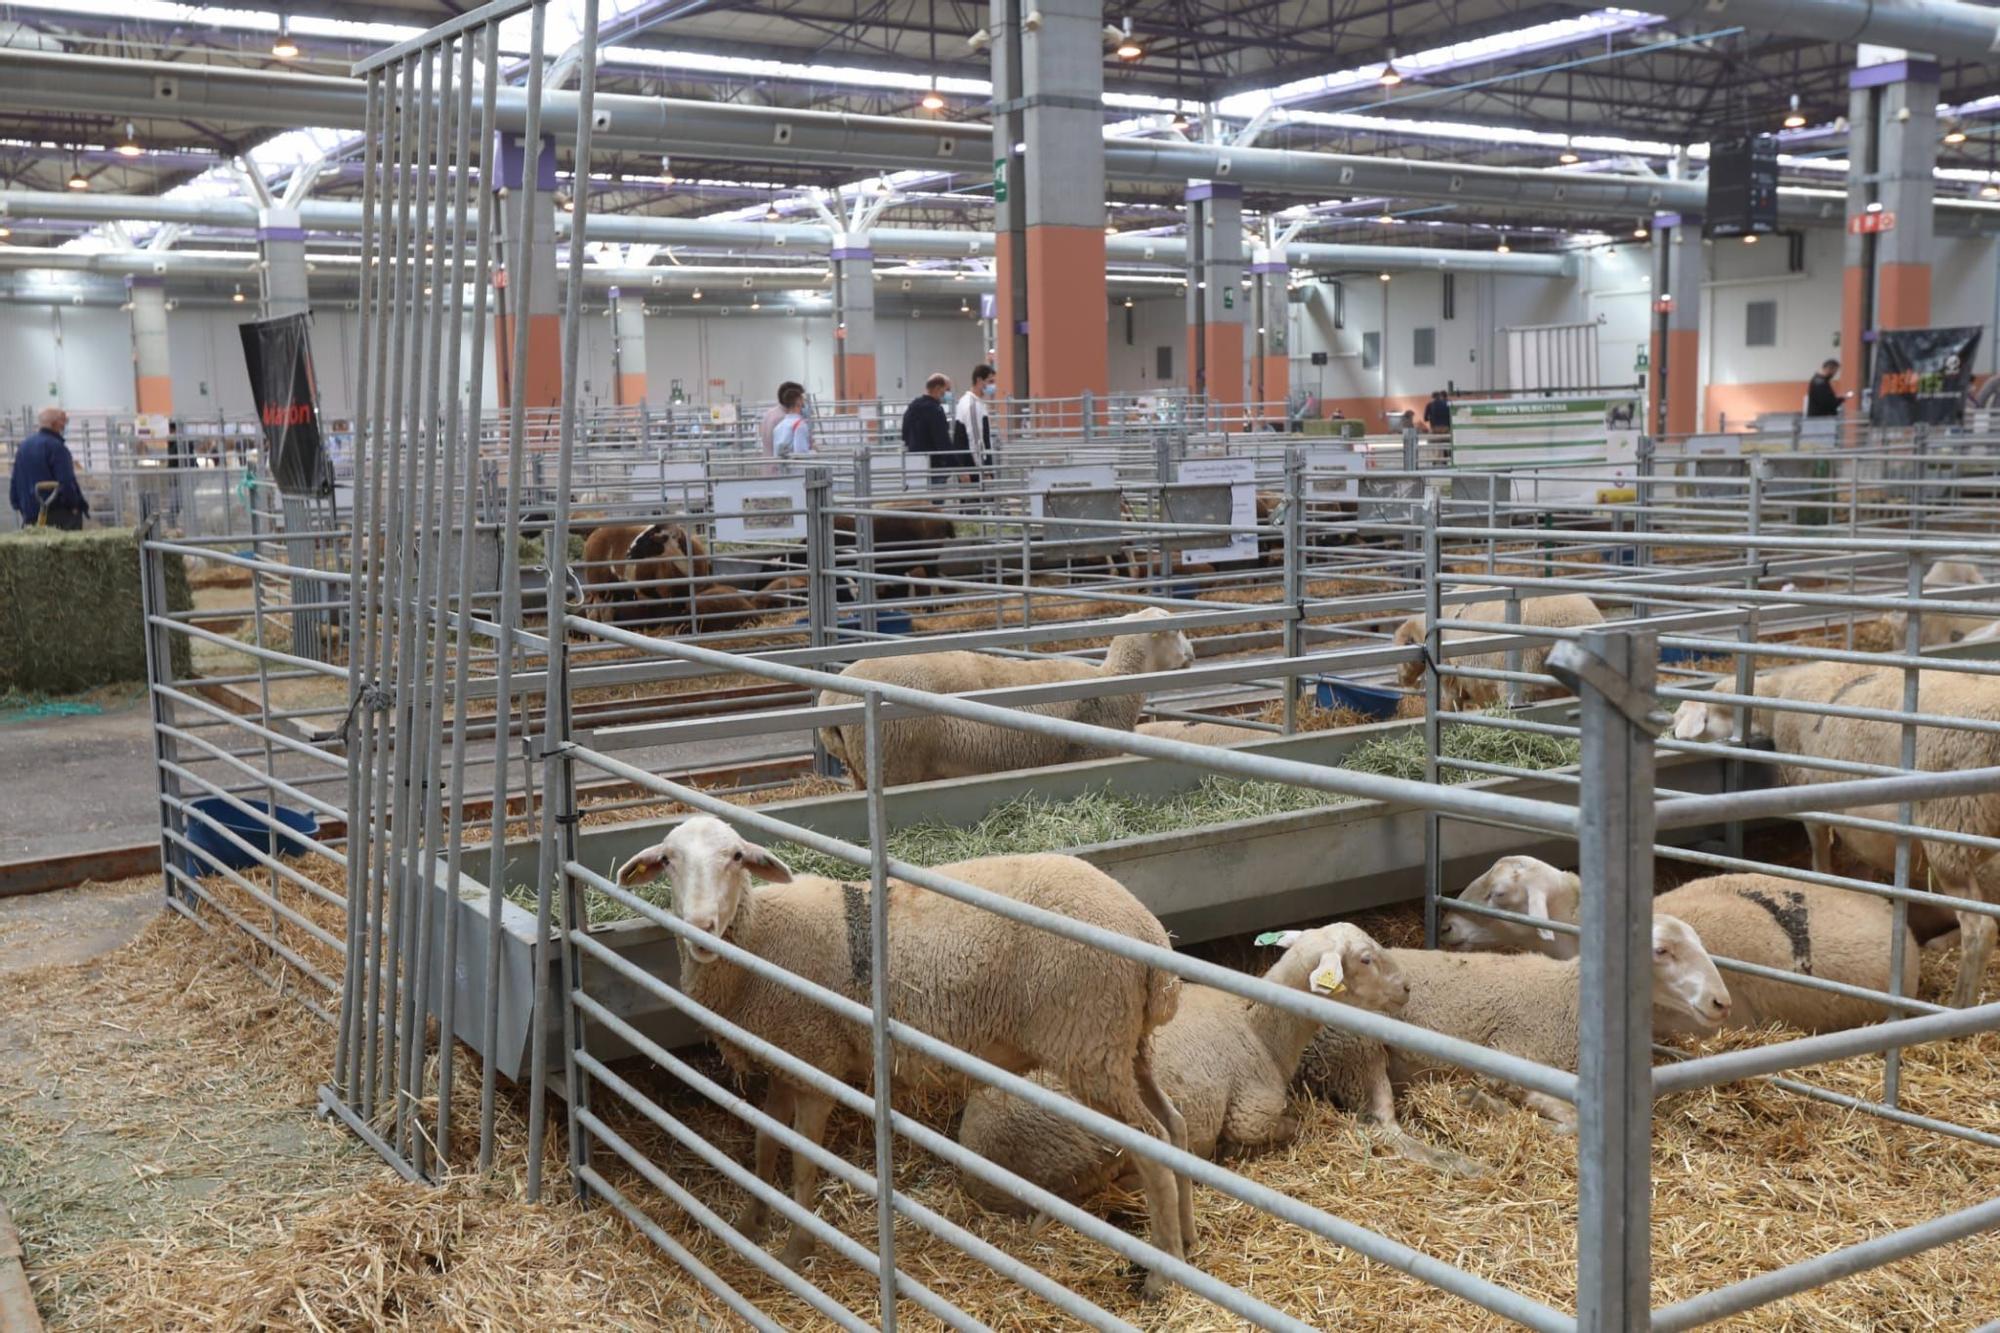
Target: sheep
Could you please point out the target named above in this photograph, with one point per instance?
(922, 749)
(1227, 1063)
(1527, 1005)
(1011, 994)
(1461, 694)
(1948, 867)
(1937, 629)
(668, 554)
(1834, 934)
(1206, 733)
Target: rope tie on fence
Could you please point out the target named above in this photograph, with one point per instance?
(378, 698)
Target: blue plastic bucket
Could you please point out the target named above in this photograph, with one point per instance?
(886, 622)
(1368, 700)
(253, 831)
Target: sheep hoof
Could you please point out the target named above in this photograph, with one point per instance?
(1156, 1288)
(753, 1223)
(796, 1253)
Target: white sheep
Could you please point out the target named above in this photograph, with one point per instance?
(1011, 994)
(1463, 694)
(1528, 1006)
(923, 749)
(1938, 629)
(1227, 1062)
(1834, 934)
(1206, 733)
(1947, 867)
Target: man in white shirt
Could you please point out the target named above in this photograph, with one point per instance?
(777, 412)
(975, 418)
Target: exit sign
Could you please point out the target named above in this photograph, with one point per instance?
(1866, 224)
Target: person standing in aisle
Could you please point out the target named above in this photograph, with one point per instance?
(1437, 414)
(792, 436)
(926, 428)
(768, 423)
(44, 460)
(972, 427)
(1822, 399)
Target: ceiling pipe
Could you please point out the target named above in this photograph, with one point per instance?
(32, 80)
(1940, 27)
(801, 238)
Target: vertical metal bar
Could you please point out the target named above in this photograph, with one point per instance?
(878, 998)
(1614, 1067)
(1294, 576)
(558, 775)
(159, 671)
(819, 580)
(1433, 705)
(1746, 657)
(456, 443)
(264, 719)
(510, 565)
(1899, 909)
(482, 278)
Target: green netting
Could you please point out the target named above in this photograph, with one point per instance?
(69, 610)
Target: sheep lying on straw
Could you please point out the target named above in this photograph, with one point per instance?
(1462, 694)
(1948, 867)
(1832, 934)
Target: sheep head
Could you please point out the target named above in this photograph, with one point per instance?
(1696, 720)
(1342, 961)
(1411, 632)
(1515, 884)
(1685, 982)
(711, 866)
(1166, 650)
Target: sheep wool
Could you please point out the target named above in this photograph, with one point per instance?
(1460, 694)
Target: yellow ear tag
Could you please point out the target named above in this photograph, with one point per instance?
(1328, 979)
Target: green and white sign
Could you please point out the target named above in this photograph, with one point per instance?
(1573, 447)
(999, 180)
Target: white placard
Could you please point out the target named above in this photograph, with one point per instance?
(1070, 477)
(1331, 474)
(761, 509)
(1240, 475)
(722, 414)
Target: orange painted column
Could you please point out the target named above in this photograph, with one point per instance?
(854, 379)
(1271, 363)
(1892, 151)
(1217, 302)
(152, 363)
(1048, 196)
(628, 348)
(1680, 267)
(538, 304)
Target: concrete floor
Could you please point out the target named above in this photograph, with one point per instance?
(77, 784)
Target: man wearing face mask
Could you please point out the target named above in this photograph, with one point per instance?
(972, 427)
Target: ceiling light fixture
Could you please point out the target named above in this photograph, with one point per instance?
(237, 296)
(1990, 190)
(1383, 276)
(1954, 133)
(77, 180)
(129, 145)
(1640, 232)
(697, 293)
(1128, 303)
(933, 99)
(1390, 75)
(1126, 45)
(1795, 119)
(1387, 217)
(1503, 248)
(771, 213)
(1751, 239)
(284, 48)
(1568, 157)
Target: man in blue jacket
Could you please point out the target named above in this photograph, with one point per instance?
(43, 457)
(927, 427)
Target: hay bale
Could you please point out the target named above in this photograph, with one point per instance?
(69, 610)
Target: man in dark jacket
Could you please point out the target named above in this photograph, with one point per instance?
(1437, 414)
(927, 428)
(1822, 399)
(43, 457)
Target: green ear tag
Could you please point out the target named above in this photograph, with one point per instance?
(1270, 937)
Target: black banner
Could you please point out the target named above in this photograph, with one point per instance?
(279, 355)
(1922, 375)
(1742, 187)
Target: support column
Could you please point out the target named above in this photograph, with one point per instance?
(1892, 148)
(1049, 214)
(1216, 304)
(281, 246)
(628, 348)
(1271, 366)
(152, 363)
(1680, 266)
(854, 321)
(539, 304)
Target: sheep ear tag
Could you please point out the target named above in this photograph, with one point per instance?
(1326, 978)
(1281, 938)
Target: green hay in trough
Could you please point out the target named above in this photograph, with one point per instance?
(1035, 824)
(69, 610)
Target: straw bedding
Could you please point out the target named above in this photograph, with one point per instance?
(155, 1145)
